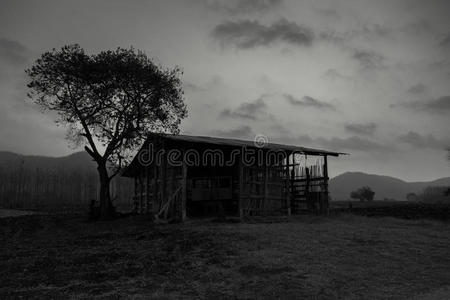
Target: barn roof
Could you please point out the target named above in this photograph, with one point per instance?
(245, 143)
(233, 143)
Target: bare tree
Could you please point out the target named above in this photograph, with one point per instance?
(109, 102)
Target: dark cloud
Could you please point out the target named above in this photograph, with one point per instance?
(367, 32)
(418, 27)
(249, 110)
(439, 105)
(327, 12)
(423, 141)
(368, 59)
(243, 6)
(445, 41)
(246, 34)
(361, 129)
(334, 74)
(308, 101)
(13, 52)
(192, 87)
(334, 37)
(353, 143)
(244, 132)
(417, 89)
(370, 31)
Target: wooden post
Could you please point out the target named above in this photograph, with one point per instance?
(147, 190)
(307, 196)
(287, 186)
(155, 197)
(292, 177)
(266, 187)
(164, 197)
(135, 198)
(241, 189)
(325, 175)
(184, 191)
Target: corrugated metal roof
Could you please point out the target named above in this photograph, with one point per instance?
(245, 143)
(208, 140)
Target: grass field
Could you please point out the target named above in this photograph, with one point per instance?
(342, 256)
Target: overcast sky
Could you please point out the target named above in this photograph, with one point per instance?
(370, 78)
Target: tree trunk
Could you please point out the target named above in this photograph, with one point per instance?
(106, 208)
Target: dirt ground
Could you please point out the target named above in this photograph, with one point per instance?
(338, 257)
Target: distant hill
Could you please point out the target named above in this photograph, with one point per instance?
(384, 186)
(77, 161)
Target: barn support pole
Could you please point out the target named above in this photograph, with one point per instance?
(147, 190)
(292, 177)
(266, 187)
(155, 188)
(184, 191)
(287, 183)
(241, 189)
(135, 198)
(307, 195)
(325, 181)
(164, 178)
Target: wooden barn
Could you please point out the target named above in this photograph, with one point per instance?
(179, 176)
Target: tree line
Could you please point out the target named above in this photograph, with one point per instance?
(57, 189)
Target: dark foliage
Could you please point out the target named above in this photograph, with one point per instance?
(111, 100)
(363, 194)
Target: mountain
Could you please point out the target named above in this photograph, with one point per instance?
(80, 161)
(384, 186)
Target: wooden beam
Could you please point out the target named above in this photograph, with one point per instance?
(288, 186)
(241, 188)
(163, 176)
(147, 190)
(184, 191)
(135, 198)
(266, 186)
(325, 175)
(155, 186)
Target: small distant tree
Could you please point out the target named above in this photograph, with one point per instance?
(109, 102)
(412, 197)
(363, 194)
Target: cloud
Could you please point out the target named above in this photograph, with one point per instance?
(327, 12)
(439, 105)
(368, 59)
(192, 87)
(248, 110)
(423, 141)
(244, 132)
(352, 143)
(417, 89)
(445, 41)
(243, 6)
(246, 34)
(13, 52)
(361, 129)
(308, 101)
(333, 74)
(417, 27)
(375, 30)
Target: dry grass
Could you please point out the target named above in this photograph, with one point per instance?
(308, 257)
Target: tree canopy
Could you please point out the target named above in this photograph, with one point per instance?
(108, 101)
(363, 194)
